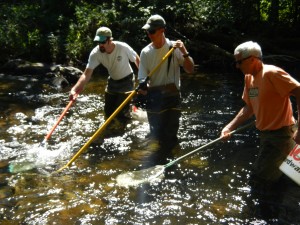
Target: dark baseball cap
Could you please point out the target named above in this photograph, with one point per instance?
(155, 21)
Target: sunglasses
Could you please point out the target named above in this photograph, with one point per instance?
(239, 62)
(102, 42)
(151, 31)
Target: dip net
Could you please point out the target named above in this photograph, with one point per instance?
(135, 178)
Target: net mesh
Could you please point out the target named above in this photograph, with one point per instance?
(135, 178)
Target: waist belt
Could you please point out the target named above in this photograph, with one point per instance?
(281, 131)
(168, 89)
(128, 77)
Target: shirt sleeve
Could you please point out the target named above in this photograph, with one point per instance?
(282, 81)
(130, 53)
(142, 74)
(93, 61)
(179, 56)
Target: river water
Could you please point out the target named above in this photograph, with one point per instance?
(209, 187)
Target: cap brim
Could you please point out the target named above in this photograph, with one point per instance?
(146, 26)
(100, 38)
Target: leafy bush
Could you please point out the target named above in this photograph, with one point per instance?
(88, 18)
(63, 31)
(19, 33)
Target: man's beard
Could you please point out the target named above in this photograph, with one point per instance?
(102, 49)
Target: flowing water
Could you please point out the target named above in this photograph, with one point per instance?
(206, 188)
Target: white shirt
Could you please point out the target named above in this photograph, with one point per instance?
(150, 57)
(117, 62)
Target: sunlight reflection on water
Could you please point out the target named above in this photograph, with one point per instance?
(40, 157)
(208, 188)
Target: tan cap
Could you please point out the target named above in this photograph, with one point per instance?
(102, 33)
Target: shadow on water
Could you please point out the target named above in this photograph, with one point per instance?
(207, 188)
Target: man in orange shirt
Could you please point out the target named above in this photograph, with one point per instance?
(267, 92)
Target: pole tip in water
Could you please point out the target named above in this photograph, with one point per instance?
(61, 169)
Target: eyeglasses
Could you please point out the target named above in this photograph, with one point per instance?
(239, 62)
(151, 31)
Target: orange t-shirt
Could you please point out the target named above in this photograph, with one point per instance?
(267, 93)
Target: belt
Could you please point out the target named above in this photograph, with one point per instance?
(168, 88)
(277, 130)
(286, 130)
(123, 79)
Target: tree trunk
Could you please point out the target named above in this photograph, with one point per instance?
(274, 12)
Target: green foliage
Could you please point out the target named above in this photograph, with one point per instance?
(18, 31)
(27, 31)
(265, 5)
(285, 9)
(210, 14)
(88, 18)
(63, 31)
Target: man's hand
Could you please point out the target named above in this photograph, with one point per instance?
(296, 136)
(179, 44)
(225, 134)
(143, 88)
(73, 94)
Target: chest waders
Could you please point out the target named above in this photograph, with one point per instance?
(163, 112)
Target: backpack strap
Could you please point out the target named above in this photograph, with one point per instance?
(170, 57)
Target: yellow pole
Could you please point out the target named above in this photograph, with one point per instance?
(112, 116)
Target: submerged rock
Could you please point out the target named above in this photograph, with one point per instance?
(22, 67)
(60, 76)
